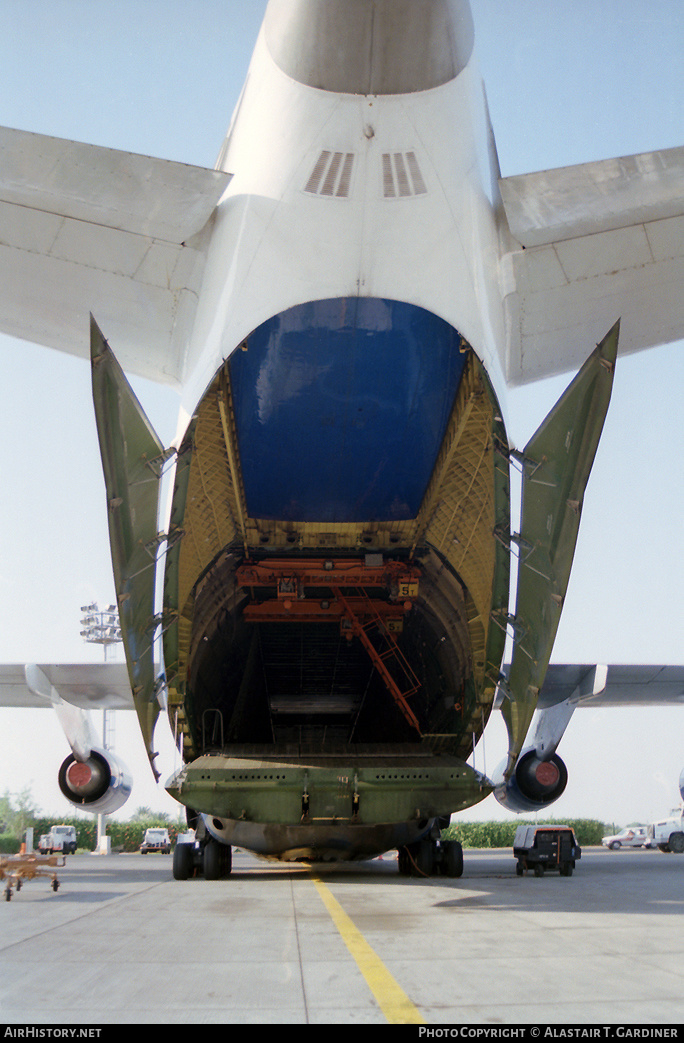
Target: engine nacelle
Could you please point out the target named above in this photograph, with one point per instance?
(535, 783)
(101, 784)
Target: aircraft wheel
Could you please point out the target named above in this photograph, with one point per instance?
(55, 885)
(19, 883)
(217, 860)
(424, 857)
(403, 862)
(183, 862)
(453, 858)
(8, 894)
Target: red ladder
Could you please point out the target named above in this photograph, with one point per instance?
(379, 659)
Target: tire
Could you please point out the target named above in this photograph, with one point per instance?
(403, 862)
(183, 862)
(677, 843)
(425, 857)
(539, 869)
(519, 868)
(453, 858)
(227, 853)
(217, 860)
(615, 845)
(420, 858)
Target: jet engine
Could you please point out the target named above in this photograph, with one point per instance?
(101, 784)
(540, 776)
(534, 784)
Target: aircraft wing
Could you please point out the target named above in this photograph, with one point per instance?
(597, 242)
(88, 229)
(90, 686)
(623, 686)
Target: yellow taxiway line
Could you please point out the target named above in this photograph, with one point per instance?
(393, 1001)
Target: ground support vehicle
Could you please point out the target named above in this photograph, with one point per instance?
(61, 840)
(544, 848)
(668, 834)
(14, 869)
(156, 840)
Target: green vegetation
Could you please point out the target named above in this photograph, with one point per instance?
(9, 845)
(501, 834)
(17, 812)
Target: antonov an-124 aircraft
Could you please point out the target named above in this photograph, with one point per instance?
(321, 605)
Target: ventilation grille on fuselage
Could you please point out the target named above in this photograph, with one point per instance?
(332, 172)
(401, 175)
(331, 175)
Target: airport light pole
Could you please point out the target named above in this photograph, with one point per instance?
(101, 628)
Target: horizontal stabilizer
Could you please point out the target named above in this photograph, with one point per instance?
(597, 241)
(89, 229)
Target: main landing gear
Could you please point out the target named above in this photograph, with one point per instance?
(431, 857)
(211, 860)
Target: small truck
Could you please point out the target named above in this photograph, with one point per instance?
(544, 848)
(61, 840)
(156, 839)
(668, 833)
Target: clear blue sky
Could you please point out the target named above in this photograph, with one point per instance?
(567, 83)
